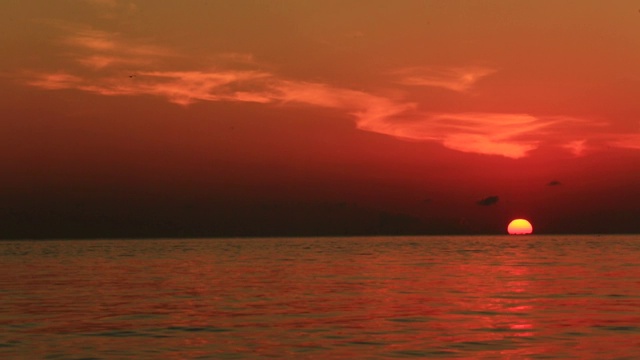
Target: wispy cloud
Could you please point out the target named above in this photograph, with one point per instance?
(106, 3)
(576, 147)
(483, 133)
(242, 58)
(628, 141)
(182, 88)
(94, 40)
(452, 78)
(110, 62)
(100, 49)
(509, 135)
(187, 87)
(488, 133)
(111, 9)
(56, 81)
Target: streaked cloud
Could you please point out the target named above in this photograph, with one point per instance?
(509, 135)
(56, 81)
(182, 88)
(487, 133)
(451, 78)
(187, 87)
(110, 62)
(98, 49)
(92, 40)
(106, 3)
(242, 58)
(628, 141)
(576, 147)
(484, 133)
(112, 9)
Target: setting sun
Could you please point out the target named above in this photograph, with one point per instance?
(519, 227)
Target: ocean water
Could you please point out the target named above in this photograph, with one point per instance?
(509, 297)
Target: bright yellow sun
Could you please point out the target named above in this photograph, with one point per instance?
(519, 227)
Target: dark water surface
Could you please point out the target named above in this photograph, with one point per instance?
(427, 297)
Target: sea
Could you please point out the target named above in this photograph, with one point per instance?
(459, 297)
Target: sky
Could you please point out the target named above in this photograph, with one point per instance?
(146, 118)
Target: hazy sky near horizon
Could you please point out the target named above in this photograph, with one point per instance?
(465, 113)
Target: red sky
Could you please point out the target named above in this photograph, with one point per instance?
(220, 118)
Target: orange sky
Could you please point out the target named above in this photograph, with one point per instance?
(216, 118)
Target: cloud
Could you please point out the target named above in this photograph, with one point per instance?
(488, 201)
(238, 58)
(576, 147)
(95, 40)
(103, 3)
(503, 134)
(109, 60)
(56, 81)
(182, 88)
(113, 9)
(628, 141)
(483, 133)
(99, 50)
(453, 78)
(554, 183)
(486, 133)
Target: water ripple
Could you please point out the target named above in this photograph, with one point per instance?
(421, 297)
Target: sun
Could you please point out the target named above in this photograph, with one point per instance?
(519, 227)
